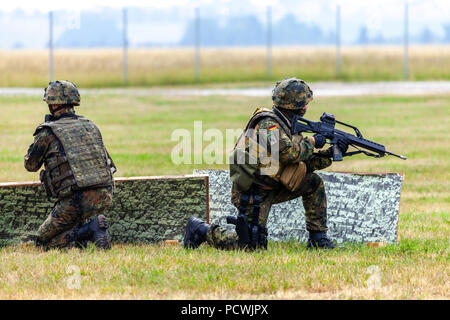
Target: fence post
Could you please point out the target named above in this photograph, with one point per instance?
(197, 45)
(338, 41)
(125, 47)
(405, 45)
(50, 45)
(269, 43)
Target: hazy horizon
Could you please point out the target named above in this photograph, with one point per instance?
(24, 24)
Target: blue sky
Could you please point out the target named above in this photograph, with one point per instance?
(164, 21)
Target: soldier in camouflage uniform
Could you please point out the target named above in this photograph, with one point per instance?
(78, 172)
(290, 97)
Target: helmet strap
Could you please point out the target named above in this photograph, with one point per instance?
(289, 113)
(53, 111)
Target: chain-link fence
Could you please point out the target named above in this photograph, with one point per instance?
(204, 43)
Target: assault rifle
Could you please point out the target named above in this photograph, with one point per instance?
(326, 127)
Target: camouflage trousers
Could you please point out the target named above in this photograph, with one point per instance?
(58, 230)
(314, 200)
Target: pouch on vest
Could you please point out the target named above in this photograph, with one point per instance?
(243, 167)
(293, 175)
(46, 182)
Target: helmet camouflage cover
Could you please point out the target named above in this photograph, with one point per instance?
(62, 92)
(291, 93)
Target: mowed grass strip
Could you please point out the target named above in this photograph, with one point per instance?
(175, 66)
(137, 131)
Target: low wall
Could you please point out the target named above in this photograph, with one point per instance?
(362, 207)
(144, 209)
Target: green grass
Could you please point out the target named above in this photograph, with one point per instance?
(137, 131)
(412, 269)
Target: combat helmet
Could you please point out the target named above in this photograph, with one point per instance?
(62, 92)
(292, 94)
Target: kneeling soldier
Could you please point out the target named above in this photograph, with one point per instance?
(257, 186)
(78, 172)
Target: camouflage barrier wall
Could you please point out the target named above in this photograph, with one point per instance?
(361, 207)
(144, 209)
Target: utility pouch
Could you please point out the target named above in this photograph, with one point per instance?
(251, 236)
(293, 175)
(46, 182)
(243, 167)
(242, 229)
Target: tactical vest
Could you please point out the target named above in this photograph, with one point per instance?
(82, 160)
(244, 164)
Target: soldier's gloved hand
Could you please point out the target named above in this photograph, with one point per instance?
(319, 141)
(342, 145)
(317, 162)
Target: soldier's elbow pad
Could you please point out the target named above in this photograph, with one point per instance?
(29, 167)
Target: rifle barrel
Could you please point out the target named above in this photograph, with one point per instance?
(397, 155)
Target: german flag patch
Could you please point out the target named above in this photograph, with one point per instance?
(272, 127)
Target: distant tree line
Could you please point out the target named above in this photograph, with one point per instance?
(104, 31)
(249, 31)
(426, 36)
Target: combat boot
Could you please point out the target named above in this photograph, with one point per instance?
(319, 240)
(196, 231)
(95, 231)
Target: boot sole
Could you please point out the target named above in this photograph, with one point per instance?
(102, 222)
(103, 243)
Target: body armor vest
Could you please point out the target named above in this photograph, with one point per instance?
(82, 160)
(244, 164)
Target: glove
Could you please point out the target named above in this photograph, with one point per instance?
(317, 162)
(342, 145)
(319, 141)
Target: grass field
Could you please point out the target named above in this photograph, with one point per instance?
(103, 68)
(137, 132)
